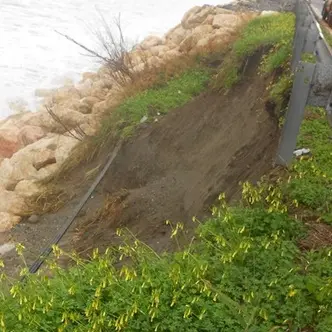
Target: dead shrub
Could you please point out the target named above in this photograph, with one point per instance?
(114, 51)
(50, 200)
(100, 223)
(76, 132)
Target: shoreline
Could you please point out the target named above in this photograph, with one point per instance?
(21, 105)
(64, 60)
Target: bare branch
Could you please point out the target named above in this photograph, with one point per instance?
(78, 133)
(114, 51)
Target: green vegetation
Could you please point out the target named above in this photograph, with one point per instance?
(308, 57)
(327, 34)
(245, 271)
(279, 93)
(167, 92)
(267, 33)
(160, 99)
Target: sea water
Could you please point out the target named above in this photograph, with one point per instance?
(33, 55)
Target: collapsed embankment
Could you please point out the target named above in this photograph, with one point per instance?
(36, 145)
(191, 146)
(175, 169)
(262, 264)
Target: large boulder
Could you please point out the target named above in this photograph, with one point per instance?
(139, 68)
(12, 203)
(67, 119)
(65, 93)
(150, 41)
(190, 13)
(172, 54)
(36, 161)
(208, 20)
(226, 20)
(14, 135)
(85, 87)
(27, 188)
(112, 100)
(201, 15)
(202, 30)
(7, 221)
(44, 120)
(9, 141)
(86, 104)
(154, 62)
(197, 33)
(216, 38)
(30, 134)
(176, 35)
(159, 50)
(65, 144)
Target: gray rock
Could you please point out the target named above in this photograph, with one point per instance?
(144, 119)
(4, 248)
(34, 219)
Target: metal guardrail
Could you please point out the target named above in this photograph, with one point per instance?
(312, 83)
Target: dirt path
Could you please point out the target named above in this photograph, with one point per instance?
(171, 170)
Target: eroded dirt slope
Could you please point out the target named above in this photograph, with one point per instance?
(175, 169)
(170, 170)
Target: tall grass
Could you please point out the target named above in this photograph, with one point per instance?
(266, 33)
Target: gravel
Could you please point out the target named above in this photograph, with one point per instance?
(260, 5)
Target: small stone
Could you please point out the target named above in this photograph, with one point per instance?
(6, 248)
(34, 219)
(144, 119)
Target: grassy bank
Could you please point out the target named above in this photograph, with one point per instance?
(272, 35)
(247, 270)
(261, 265)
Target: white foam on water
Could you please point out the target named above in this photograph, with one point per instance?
(33, 55)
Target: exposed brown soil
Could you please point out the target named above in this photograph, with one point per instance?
(175, 169)
(319, 236)
(171, 170)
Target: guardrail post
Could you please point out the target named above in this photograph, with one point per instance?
(312, 38)
(300, 92)
(302, 27)
(329, 110)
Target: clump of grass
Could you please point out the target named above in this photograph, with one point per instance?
(279, 93)
(327, 34)
(244, 272)
(308, 57)
(312, 186)
(273, 33)
(148, 105)
(50, 200)
(160, 91)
